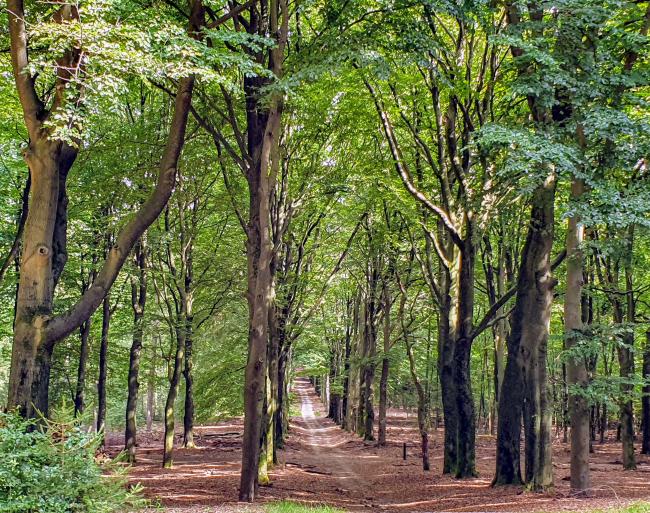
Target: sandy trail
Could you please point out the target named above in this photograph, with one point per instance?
(323, 464)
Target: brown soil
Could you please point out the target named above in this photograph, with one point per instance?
(324, 464)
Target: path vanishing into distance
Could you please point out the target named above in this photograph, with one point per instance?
(323, 464)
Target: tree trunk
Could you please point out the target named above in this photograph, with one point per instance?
(103, 367)
(423, 413)
(262, 133)
(174, 382)
(345, 401)
(31, 353)
(79, 403)
(188, 416)
(525, 373)
(626, 366)
(385, 367)
(281, 413)
(370, 350)
(576, 369)
(138, 303)
(645, 401)
(446, 372)
(151, 390)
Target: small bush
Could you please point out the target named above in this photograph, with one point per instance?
(51, 468)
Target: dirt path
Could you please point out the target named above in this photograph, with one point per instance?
(322, 464)
(318, 447)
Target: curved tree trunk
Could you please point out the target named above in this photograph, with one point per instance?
(44, 238)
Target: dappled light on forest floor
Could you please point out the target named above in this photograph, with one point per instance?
(323, 464)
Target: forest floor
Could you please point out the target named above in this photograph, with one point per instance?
(322, 464)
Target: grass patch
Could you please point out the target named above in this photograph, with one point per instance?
(294, 507)
(637, 507)
(295, 406)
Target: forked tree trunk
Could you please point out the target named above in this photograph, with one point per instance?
(525, 378)
(44, 238)
(32, 351)
(576, 368)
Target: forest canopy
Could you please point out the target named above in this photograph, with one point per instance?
(436, 206)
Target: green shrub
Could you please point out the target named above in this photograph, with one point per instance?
(51, 468)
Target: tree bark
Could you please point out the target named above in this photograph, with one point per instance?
(446, 375)
(44, 255)
(79, 401)
(577, 375)
(466, 457)
(423, 413)
(525, 373)
(645, 401)
(174, 382)
(263, 130)
(138, 303)
(188, 415)
(103, 367)
(385, 367)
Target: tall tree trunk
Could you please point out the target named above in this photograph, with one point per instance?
(79, 401)
(262, 133)
(151, 389)
(577, 375)
(423, 413)
(174, 382)
(446, 373)
(345, 401)
(525, 372)
(188, 415)
(369, 353)
(385, 367)
(31, 353)
(626, 366)
(466, 457)
(138, 303)
(645, 401)
(281, 413)
(103, 366)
